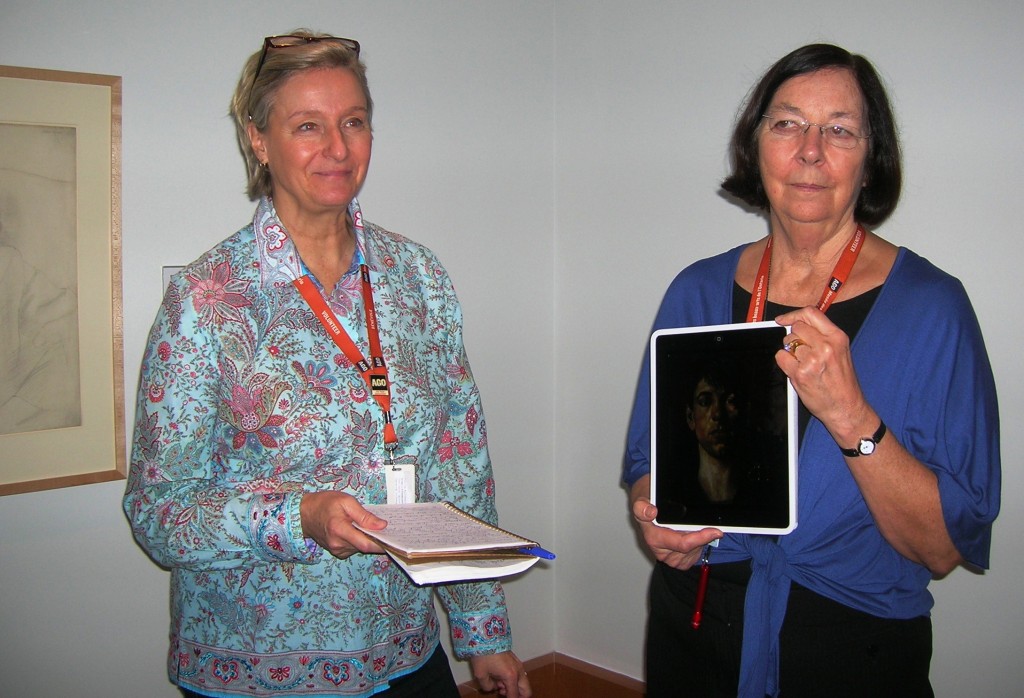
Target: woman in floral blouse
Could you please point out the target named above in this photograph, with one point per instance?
(261, 430)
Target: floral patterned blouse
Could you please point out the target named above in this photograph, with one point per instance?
(244, 404)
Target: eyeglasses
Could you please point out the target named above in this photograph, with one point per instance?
(791, 126)
(291, 41)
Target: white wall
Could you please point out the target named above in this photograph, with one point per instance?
(563, 159)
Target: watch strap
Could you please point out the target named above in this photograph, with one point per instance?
(874, 438)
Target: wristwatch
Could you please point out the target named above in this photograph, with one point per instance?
(866, 446)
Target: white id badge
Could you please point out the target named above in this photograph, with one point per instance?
(401, 482)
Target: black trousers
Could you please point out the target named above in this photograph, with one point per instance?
(826, 648)
(432, 680)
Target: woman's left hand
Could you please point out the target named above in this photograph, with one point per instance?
(900, 491)
(502, 672)
(820, 367)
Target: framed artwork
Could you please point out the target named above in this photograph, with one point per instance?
(61, 358)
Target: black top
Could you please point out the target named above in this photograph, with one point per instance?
(848, 315)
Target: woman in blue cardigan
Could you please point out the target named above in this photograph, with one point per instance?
(899, 445)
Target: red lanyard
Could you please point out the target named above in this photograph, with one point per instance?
(758, 299)
(759, 294)
(374, 371)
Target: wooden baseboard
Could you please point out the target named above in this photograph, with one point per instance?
(557, 675)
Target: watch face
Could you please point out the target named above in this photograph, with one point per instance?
(867, 447)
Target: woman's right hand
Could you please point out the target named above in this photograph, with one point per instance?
(328, 518)
(678, 549)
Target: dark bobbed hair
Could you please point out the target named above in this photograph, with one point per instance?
(252, 102)
(883, 168)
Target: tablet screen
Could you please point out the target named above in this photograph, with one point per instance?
(723, 429)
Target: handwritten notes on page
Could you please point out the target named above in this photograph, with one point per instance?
(436, 542)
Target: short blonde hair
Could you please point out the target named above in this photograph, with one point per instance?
(254, 94)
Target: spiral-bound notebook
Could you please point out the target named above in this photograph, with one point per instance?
(436, 542)
(440, 529)
(723, 429)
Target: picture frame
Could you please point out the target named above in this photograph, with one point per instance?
(62, 417)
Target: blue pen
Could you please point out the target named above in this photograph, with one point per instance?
(538, 551)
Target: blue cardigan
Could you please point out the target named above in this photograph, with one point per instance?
(923, 367)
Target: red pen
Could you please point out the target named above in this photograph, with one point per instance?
(702, 587)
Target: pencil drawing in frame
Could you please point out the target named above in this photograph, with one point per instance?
(61, 359)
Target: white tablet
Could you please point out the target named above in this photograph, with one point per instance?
(723, 429)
